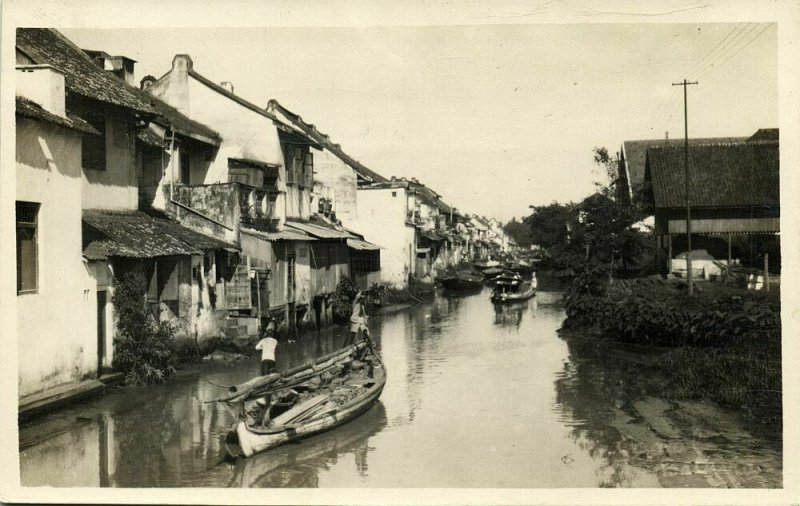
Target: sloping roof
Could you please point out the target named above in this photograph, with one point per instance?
(318, 231)
(30, 109)
(172, 118)
(236, 98)
(722, 175)
(283, 235)
(149, 137)
(635, 152)
(81, 75)
(362, 245)
(324, 140)
(764, 134)
(135, 234)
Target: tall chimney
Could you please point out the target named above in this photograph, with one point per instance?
(666, 134)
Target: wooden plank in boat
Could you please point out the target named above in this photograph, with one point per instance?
(300, 409)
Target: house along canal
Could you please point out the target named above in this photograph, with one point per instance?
(477, 396)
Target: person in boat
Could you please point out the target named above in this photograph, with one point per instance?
(268, 345)
(358, 320)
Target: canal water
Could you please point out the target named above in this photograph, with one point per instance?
(477, 396)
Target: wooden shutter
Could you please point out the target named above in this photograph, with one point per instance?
(297, 165)
(289, 165)
(308, 170)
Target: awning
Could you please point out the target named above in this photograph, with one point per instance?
(288, 135)
(134, 234)
(319, 231)
(360, 244)
(431, 235)
(283, 235)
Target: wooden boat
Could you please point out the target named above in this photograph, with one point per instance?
(486, 264)
(462, 280)
(511, 287)
(311, 398)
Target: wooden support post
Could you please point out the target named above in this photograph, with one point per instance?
(730, 250)
(766, 271)
(669, 254)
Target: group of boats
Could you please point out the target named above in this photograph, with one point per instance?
(331, 390)
(511, 280)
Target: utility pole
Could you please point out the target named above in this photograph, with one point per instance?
(685, 83)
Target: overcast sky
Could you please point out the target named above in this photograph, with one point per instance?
(493, 117)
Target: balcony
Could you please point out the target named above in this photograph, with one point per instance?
(225, 206)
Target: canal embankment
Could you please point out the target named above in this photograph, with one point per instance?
(721, 344)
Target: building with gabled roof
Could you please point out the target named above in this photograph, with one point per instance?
(734, 196)
(631, 164)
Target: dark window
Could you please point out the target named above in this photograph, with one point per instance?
(186, 167)
(27, 251)
(93, 148)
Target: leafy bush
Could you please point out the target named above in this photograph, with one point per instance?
(342, 300)
(143, 347)
(660, 314)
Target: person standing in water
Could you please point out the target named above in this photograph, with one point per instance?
(267, 345)
(358, 319)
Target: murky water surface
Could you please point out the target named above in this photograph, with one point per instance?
(477, 396)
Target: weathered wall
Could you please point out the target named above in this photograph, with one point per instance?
(382, 220)
(218, 202)
(115, 188)
(333, 173)
(245, 133)
(56, 325)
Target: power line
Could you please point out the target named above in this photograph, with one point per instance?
(710, 69)
(734, 37)
(731, 46)
(660, 114)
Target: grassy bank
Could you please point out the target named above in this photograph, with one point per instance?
(721, 344)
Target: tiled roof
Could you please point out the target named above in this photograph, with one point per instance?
(135, 234)
(30, 109)
(283, 235)
(319, 230)
(149, 137)
(635, 152)
(81, 75)
(722, 175)
(764, 134)
(325, 141)
(171, 117)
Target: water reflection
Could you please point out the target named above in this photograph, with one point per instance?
(477, 396)
(510, 314)
(299, 465)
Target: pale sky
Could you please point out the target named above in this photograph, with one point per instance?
(493, 117)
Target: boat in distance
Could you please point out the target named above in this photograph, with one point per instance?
(511, 287)
(462, 280)
(308, 399)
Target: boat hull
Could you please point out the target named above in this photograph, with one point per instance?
(250, 442)
(513, 297)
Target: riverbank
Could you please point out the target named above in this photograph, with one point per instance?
(721, 345)
(685, 441)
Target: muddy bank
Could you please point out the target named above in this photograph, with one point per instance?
(634, 413)
(696, 444)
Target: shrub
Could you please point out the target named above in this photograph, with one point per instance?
(143, 347)
(342, 300)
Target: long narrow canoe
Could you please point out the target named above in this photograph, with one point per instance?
(322, 397)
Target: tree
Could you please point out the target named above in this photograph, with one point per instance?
(548, 224)
(518, 231)
(611, 168)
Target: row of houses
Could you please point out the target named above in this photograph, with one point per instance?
(225, 210)
(734, 195)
